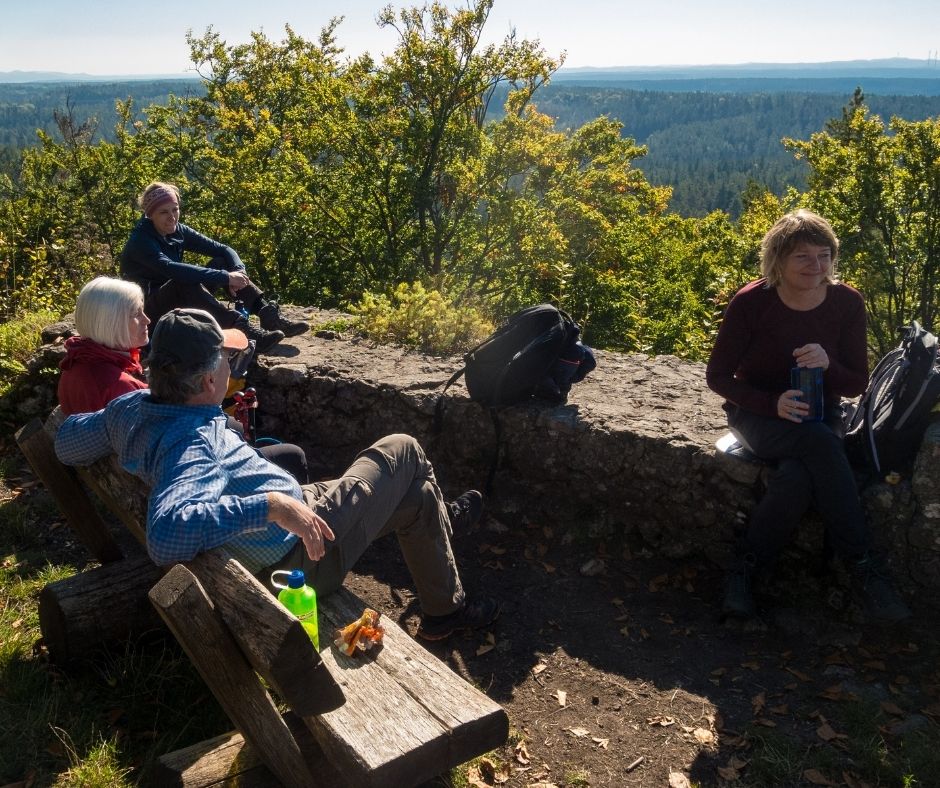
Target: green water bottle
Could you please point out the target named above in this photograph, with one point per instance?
(300, 599)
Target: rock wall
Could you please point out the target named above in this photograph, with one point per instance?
(630, 456)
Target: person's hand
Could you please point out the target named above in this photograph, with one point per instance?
(236, 281)
(298, 518)
(811, 355)
(791, 407)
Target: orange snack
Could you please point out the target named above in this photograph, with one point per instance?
(362, 634)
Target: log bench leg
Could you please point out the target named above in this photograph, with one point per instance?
(82, 517)
(193, 619)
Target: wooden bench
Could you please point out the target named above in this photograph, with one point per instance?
(397, 716)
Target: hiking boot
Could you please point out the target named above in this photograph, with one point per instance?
(264, 340)
(739, 599)
(876, 591)
(465, 511)
(471, 615)
(272, 320)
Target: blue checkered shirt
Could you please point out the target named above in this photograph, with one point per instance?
(207, 486)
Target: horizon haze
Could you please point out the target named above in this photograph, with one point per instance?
(116, 38)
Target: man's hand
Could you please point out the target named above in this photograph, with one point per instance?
(791, 407)
(811, 355)
(298, 518)
(236, 281)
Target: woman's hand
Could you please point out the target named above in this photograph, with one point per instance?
(298, 518)
(236, 281)
(811, 355)
(791, 407)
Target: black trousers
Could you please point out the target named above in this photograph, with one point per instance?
(172, 295)
(812, 471)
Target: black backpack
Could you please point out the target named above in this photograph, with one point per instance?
(536, 353)
(887, 426)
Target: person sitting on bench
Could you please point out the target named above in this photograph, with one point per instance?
(210, 488)
(103, 362)
(153, 258)
(797, 315)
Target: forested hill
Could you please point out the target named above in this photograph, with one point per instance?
(706, 145)
(28, 106)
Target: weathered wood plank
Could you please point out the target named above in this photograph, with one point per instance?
(38, 448)
(197, 625)
(401, 724)
(270, 636)
(97, 607)
(229, 758)
(474, 723)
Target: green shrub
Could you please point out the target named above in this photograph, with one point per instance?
(420, 318)
(18, 339)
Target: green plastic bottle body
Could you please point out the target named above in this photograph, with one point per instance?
(302, 602)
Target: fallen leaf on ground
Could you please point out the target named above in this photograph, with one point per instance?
(521, 753)
(765, 722)
(816, 777)
(562, 697)
(892, 708)
(827, 733)
(852, 780)
(548, 567)
(758, 702)
(489, 645)
(579, 732)
(704, 736)
(780, 710)
(593, 567)
(601, 743)
(657, 582)
(732, 770)
(833, 693)
(663, 722)
(799, 674)
(539, 668)
(753, 665)
(678, 780)
(875, 664)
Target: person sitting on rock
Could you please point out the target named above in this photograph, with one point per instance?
(153, 258)
(798, 315)
(209, 488)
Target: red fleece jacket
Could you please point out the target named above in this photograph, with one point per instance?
(93, 375)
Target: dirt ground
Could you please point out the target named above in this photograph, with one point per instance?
(616, 671)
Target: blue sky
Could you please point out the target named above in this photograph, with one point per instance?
(124, 37)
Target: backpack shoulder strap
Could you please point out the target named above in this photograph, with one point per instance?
(439, 407)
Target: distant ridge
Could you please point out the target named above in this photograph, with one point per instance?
(885, 68)
(61, 76)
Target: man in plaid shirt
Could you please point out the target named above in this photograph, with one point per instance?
(209, 487)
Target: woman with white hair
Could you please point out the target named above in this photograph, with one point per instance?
(104, 361)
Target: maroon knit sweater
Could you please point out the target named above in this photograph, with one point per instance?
(753, 355)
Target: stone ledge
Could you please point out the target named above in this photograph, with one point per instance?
(631, 455)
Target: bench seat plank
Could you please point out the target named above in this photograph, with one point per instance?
(407, 716)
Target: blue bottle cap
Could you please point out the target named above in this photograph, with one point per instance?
(296, 579)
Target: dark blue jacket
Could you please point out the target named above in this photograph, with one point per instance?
(151, 259)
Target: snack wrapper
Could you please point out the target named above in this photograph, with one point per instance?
(361, 634)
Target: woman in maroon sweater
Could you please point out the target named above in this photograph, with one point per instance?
(797, 315)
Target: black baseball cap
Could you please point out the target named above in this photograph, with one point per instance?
(190, 338)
